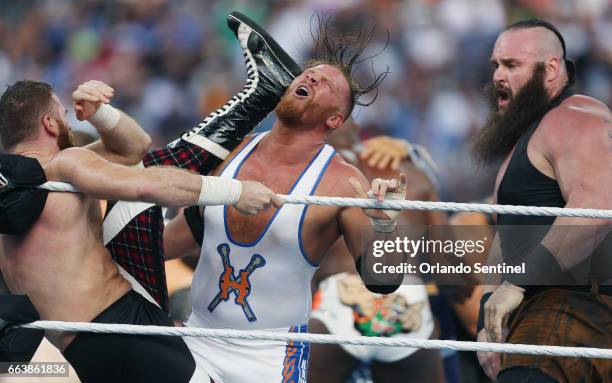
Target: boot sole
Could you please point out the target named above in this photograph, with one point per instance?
(275, 49)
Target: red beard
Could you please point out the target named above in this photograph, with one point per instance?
(64, 138)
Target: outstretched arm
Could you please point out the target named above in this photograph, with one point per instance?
(122, 139)
(98, 178)
(183, 234)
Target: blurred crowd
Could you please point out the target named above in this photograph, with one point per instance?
(173, 61)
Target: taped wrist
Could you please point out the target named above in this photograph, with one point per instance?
(105, 119)
(383, 225)
(387, 225)
(483, 300)
(377, 289)
(195, 223)
(219, 191)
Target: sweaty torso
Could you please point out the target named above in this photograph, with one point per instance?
(62, 264)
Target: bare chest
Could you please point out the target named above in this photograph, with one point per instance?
(61, 239)
(67, 222)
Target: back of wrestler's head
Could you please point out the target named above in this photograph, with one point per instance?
(24, 106)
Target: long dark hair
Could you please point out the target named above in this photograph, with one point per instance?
(343, 49)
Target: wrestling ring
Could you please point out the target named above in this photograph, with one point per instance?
(526, 349)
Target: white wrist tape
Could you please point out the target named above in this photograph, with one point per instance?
(383, 225)
(219, 191)
(105, 118)
(388, 225)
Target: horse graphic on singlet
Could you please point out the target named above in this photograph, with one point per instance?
(240, 285)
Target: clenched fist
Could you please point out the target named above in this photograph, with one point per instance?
(88, 97)
(256, 197)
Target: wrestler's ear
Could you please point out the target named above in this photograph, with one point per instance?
(551, 68)
(335, 121)
(49, 124)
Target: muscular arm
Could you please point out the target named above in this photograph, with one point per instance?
(125, 144)
(356, 228)
(352, 222)
(178, 239)
(581, 156)
(101, 179)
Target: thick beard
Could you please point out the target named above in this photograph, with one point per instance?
(503, 128)
(64, 138)
(297, 114)
(288, 111)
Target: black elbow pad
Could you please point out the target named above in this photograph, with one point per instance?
(384, 289)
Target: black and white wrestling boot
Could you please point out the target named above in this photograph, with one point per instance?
(270, 70)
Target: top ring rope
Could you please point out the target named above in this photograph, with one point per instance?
(450, 206)
(414, 205)
(58, 187)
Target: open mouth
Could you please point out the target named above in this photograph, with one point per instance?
(503, 96)
(302, 91)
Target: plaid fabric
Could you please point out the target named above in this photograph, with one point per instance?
(186, 156)
(138, 248)
(563, 318)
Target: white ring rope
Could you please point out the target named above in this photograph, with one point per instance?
(449, 206)
(527, 349)
(415, 205)
(58, 187)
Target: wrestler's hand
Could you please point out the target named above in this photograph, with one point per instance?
(88, 97)
(256, 197)
(506, 298)
(384, 151)
(489, 361)
(380, 189)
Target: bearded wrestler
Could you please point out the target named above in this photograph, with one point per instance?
(555, 148)
(256, 274)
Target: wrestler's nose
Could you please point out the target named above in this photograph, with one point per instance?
(312, 78)
(499, 76)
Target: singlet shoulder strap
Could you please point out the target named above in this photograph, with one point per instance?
(234, 163)
(568, 92)
(555, 102)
